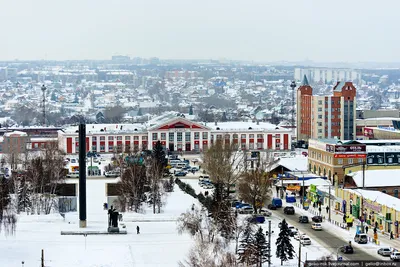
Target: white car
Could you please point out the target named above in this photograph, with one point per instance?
(305, 240)
(316, 226)
(298, 236)
(246, 210)
(265, 212)
(395, 256)
(384, 251)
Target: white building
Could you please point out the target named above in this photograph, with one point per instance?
(176, 133)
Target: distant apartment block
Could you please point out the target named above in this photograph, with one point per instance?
(331, 116)
(326, 75)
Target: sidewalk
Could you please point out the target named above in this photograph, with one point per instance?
(337, 220)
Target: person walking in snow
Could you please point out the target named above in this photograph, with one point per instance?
(319, 209)
(327, 209)
(344, 218)
(137, 230)
(366, 229)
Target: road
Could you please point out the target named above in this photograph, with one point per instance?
(326, 239)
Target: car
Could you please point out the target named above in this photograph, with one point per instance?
(297, 236)
(294, 232)
(384, 251)
(317, 219)
(289, 210)
(256, 219)
(305, 240)
(347, 249)
(265, 212)
(316, 226)
(271, 207)
(246, 210)
(180, 174)
(395, 256)
(303, 219)
(111, 174)
(361, 238)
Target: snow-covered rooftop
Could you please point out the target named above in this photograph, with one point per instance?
(240, 126)
(296, 163)
(108, 128)
(378, 197)
(376, 178)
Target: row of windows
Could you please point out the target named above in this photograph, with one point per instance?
(111, 138)
(326, 102)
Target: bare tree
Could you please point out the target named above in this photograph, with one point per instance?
(254, 187)
(132, 186)
(45, 173)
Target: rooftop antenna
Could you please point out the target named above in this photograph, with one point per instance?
(44, 104)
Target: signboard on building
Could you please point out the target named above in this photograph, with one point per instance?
(368, 132)
(293, 187)
(372, 206)
(345, 156)
(345, 148)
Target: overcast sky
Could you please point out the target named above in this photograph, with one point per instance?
(261, 30)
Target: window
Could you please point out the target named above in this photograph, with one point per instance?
(196, 136)
(144, 138)
(320, 116)
(319, 130)
(163, 136)
(94, 148)
(36, 145)
(390, 160)
(94, 138)
(380, 160)
(260, 136)
(350, 161)
(110, 148)
(171, 137)
(205, 136)
(187, 136)
(251, 146)
(319, 109)
(119, 138)
(319, 123)
(340, 161)
(260, 146)
(179, 137)
(243, 136)
(102, 138)
(154, 136)
(111, 138)
(251, 136)
(127, 138)
(102, 148)
(360, 160)
(370, 160)
(76, 139)
(319, 102)
(136, 137)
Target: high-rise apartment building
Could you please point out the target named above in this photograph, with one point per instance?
(320, 117)
(327, 75)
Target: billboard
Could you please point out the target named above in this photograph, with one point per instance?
(346, 148)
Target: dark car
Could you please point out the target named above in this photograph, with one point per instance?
(271, 207)
(317, 219)
(256, 219)
(288, 210)
(347, 249)
(303, 219)
(180, 174)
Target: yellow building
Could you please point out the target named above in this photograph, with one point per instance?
(379, 209)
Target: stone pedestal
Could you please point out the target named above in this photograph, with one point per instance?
(82, 224)
(113, 229)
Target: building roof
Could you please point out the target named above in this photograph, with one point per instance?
(315, 181)
(378, 197)
(110, 128)
(372, 148)
(305, 81)
(296, 163)
(376, 178)
(240, 126)
(16, 133)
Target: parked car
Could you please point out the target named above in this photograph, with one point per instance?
(294, 232)
(361, 238)
(277, 202)
(316, 226)
(305, 240)
(180, 174)
(256, 219)
(347, 249)
(395, 256)
(246, 210)
(303, 219)
(271, 207)
(384, 251)
(289, 210)
(265, 212)
(317, 219)
(297, 236)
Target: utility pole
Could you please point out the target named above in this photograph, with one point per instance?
(299, 252)
(302, 193)
(42, 259)
(329, 203)
(293, 86)
(269, 243)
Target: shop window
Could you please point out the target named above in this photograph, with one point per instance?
(396, 193)
(380, 160)
(370, 160)
(350, 161)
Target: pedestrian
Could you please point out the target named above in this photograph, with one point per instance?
(391, 235)
(137, 230)
(319, 209)
(344, 218)
(327, 209)
(366, 229)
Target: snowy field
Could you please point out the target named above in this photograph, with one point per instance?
(158, 243)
